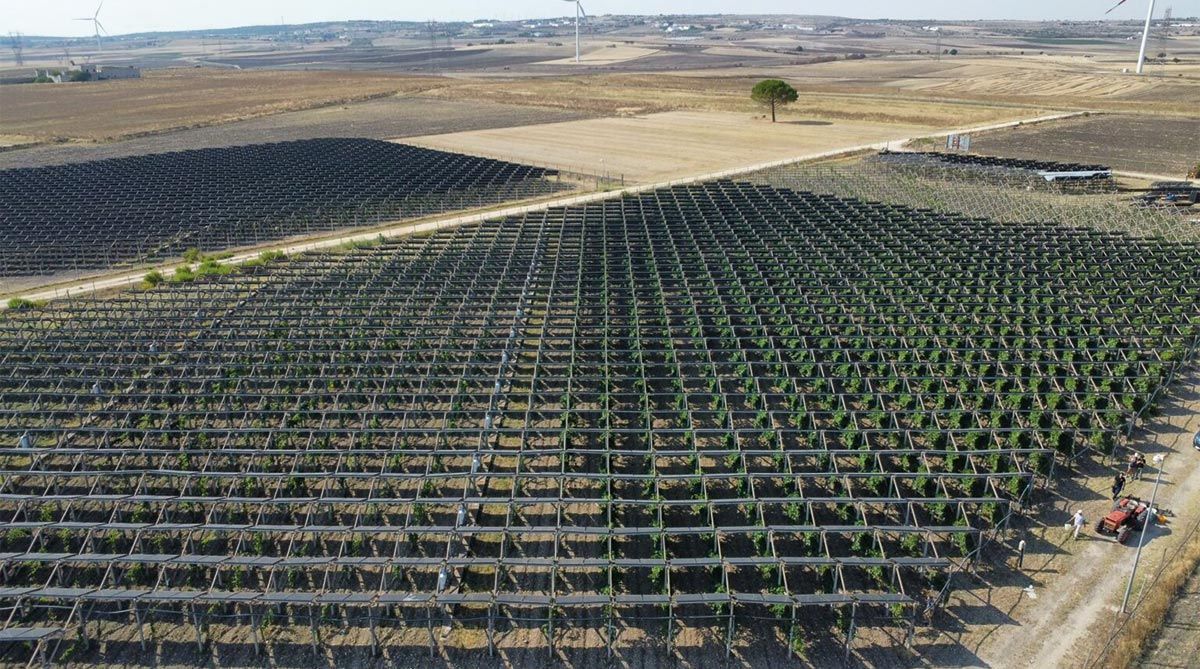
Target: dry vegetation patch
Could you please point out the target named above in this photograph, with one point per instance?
(667, 145)
(1033, 81)
(606, 55)
(1148, 619)
(617, 94)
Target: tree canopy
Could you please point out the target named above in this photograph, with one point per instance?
(773, 92)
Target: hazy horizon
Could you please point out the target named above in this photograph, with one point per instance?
(137, 16)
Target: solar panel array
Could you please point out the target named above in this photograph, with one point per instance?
(723, 403)
(103, 213)
(974, 160)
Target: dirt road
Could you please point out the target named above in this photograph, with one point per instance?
(1058, 612)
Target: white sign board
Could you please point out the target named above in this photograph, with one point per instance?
(958, 143)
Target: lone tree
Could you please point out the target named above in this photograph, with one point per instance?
(773, 92)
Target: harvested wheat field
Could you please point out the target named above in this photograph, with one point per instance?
(659, 147)
(608, 55)
(172, 99)
(646, 94)
(1063, 82)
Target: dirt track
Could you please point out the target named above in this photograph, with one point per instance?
(1060, 609)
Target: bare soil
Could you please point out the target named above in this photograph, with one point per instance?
(170, 99)
(1145, 144)
(635, 647)
(387, 118)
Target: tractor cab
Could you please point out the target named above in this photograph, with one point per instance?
(1128, 515)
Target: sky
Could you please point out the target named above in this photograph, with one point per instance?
(55, 17)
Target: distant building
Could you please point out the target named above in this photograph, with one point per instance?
(89, 72)
(104, 72)
(53, 75)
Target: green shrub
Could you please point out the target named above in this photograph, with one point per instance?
(800, 646)
(264, 258)
(211, 267)
(152, 278)
(20, 304)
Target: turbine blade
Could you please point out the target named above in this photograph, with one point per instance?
(1115, 6)
(581, 11)
(98, 7)
(100, 27)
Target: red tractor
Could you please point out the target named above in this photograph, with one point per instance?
(1128, 515)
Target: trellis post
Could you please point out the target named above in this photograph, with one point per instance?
(137, 612)
(729, 631)
(254, 618)
(372, 614)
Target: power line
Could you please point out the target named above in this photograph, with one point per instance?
(18, 47)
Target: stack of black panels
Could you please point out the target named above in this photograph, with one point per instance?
(142, 208)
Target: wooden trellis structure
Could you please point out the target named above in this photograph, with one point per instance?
(720, 403)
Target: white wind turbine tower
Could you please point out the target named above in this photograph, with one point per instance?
(96, 25)
(1141, 64)
(578, 13)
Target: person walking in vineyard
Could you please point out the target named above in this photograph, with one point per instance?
(1118, 485)
(1077, 523)
(1137, 462)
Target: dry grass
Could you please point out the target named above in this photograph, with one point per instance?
(171, 99)
(1148, 618)
(605, 55)
(669, 145)
(1062, 82)
(901, 90)
(628, 94)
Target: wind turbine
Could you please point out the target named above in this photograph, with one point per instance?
(578, 13)
(96, 25)
(1145, 33)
